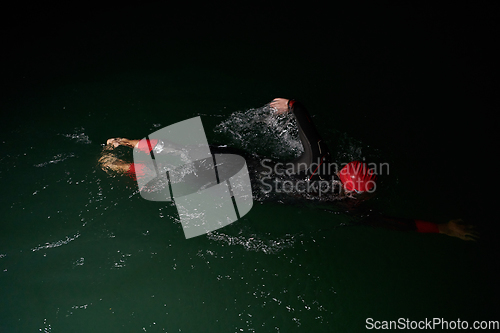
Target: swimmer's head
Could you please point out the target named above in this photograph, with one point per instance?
(358, 177)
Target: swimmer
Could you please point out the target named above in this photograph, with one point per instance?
(311, 174)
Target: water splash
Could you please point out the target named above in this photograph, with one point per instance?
(56, 159)
(263, 132)
(254, 242)
(78, 135)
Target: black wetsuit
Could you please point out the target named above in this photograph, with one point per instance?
(311, 164)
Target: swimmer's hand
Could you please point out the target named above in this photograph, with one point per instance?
(115, 142)
(457, 228)
(280, 105)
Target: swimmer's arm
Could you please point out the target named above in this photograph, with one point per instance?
(453, 228)
(147, 145)
(144, 145)
(304, 122)
(311, 140)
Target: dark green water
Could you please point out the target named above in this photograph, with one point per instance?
(82, 252)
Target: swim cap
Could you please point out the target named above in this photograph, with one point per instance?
(356, 176)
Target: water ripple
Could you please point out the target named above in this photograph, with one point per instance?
(56, 244)
(254, 242)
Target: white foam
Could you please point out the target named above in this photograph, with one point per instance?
(57, 243)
